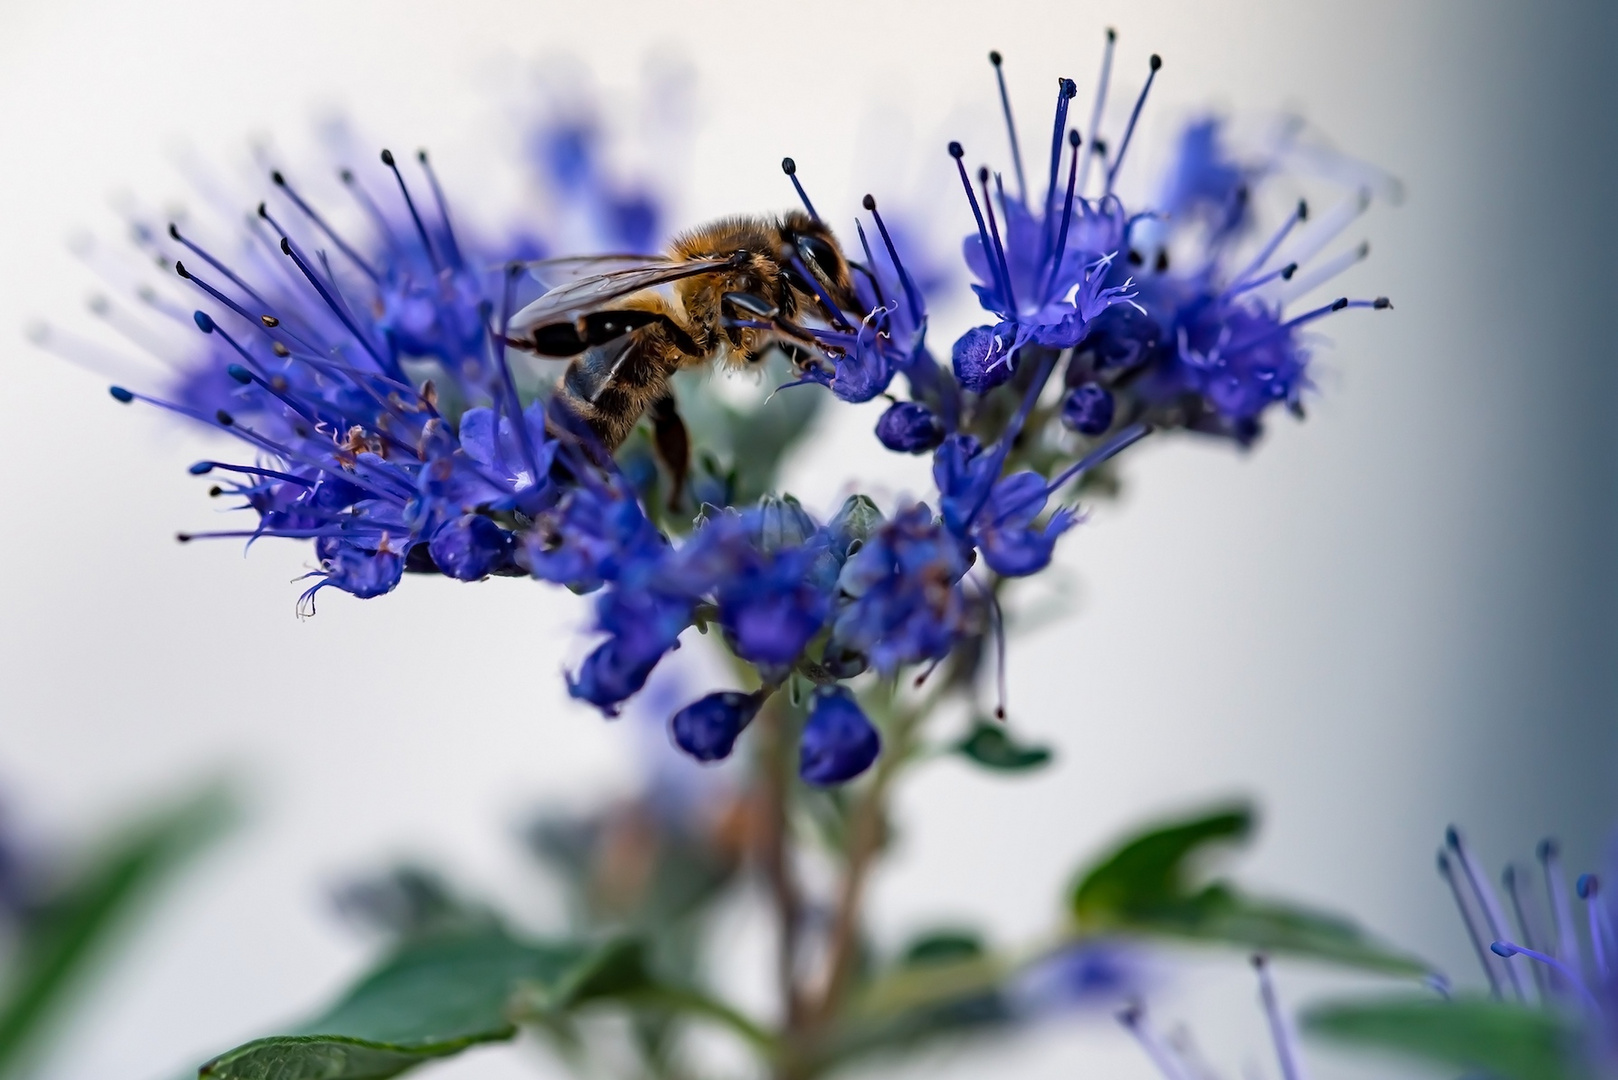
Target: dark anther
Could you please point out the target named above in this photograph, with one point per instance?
(239, 373)
(1156, 62)
(1070, 89)
(215, 491)
(174, 231)
(269, 320)
(201, 468)
(421, 156)
(1303, 210)
(224, 418)
(1073, 138)
(869, 202)
(955, 151)
(1099, 147)
(179, 268)
(387, 158)
(286, 246)
(994, 57)
(1112, 35)
(1381, 302)
(277, 179)
(204, 321)
(1288, 270)
(983, 174)
(346, 175)
(789, 166)
(184, 538)
(120, 394)
(1340, 303)
(263, 212)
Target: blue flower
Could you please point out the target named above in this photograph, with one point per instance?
(838, 742)
(707, 728)
(900, 596)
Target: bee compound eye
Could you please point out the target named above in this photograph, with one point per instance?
(821, 255)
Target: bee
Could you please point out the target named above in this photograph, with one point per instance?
(726, 293)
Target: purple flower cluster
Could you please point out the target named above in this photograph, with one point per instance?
(380, 415)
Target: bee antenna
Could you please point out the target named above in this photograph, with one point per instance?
(790, 167)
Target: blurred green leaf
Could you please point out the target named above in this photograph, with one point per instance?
(432, 998)
(1478, 1035)
(1151, 884)
(62, 940)
(992, 746)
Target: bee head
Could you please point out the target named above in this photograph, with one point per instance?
(807, 249)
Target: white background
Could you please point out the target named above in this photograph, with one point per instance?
(1392, 616)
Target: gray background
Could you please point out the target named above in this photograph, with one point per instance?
(1393, 616)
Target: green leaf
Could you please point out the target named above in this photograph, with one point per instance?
(992, 746)
(1152, 884)
(62, 941)
(1477, 1035)
(432, 998)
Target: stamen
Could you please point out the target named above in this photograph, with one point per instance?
(1155, 63)
(1011, 127)
(1447, 872)
(1298, 215)
(421, 230)
(443, 209)
(175, 235)
(1286, 1050)
(994, 234)
(203, 468)
(1167, 1062)
(363, 197)
(246, 378)
(1324, 229)
(179, 268)
(1323, 273)
(1519, 908)
(870, 262)
(912, 297)
(1073, 140)
(1001, 287)
(1589, 889)
(1283, 274)
(391, 369)
(320, 223)
(790, 167)
(1096, 144)
(1114, 446)
(997, 630)
(497, 345)
(1066, 91)
(279, 534)
(1490, 904)
(1567, 940)
(1509, 949)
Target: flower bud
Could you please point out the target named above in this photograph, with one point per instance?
(909, 428)
(470, 547)
(1088, 409)
(707, 728)
(838, 741)
(979, 366)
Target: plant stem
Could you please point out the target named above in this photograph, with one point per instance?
(775, 783)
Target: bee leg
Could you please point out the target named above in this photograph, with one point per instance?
(803, 359)
(673, 445)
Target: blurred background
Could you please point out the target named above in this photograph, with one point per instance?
(1396, 615)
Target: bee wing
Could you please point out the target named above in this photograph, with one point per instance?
(554, 272)
(567, 302)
